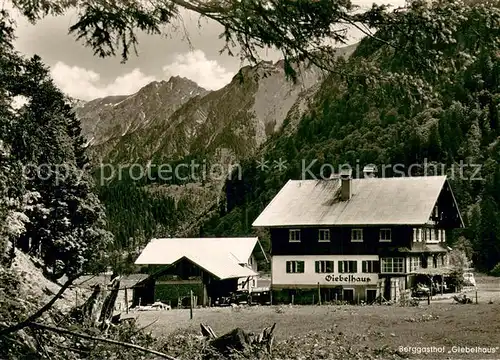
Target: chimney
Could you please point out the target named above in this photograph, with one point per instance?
(345, 184)
(370, 171)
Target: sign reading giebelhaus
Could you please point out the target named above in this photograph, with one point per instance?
(350, 279)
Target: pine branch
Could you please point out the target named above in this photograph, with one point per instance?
(89, 337)
(368, 33)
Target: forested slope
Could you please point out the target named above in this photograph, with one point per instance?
(423, 90)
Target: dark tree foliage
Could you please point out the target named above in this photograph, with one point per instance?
(136, 215)
(58, 216)
(300, 29)
(430, 97)
(422, 89)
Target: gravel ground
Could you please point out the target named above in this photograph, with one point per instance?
(441, 327)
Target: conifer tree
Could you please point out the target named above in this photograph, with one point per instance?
(12, 193)
(67, 224)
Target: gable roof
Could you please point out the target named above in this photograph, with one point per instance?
(219, 256)
(374, 201)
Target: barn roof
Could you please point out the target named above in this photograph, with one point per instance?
(374, 201)
(219, 256)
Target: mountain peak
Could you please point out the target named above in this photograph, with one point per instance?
(179, 80)
(153, 103)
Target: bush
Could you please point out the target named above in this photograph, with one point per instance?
(496, 270)
(457, 279)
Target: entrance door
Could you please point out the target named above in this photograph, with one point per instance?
(371, 295)
(348, 295)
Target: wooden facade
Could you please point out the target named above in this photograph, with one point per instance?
(340, 241)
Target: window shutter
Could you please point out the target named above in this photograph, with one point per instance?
(355, 267)
(316, 264)
(341, 266)
(363, 266)
(376, 266)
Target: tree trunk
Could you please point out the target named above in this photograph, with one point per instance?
(97, 311)
(108, 305)
(239, 340)
(90, 310)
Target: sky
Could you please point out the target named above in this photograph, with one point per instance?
(84, 76)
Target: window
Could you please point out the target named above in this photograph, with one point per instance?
(293, 267)
(370, 266)
(392, 265)
(441, 235)
(432, 235)
(294, 235)
(435, 212)
(324, 235)
(324, 266)
(429, 262)
(415, 263)
(357, 235)
(415, 234)
(385, 235)
(424, 262)
(435, 261)
(348, 266)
